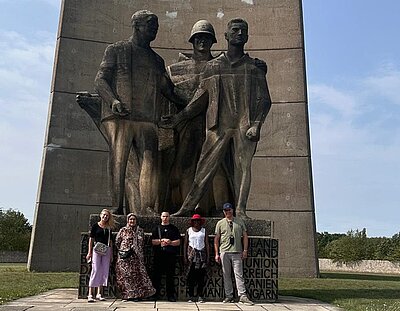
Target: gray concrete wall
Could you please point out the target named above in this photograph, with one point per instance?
(74, 180)
(363, 266)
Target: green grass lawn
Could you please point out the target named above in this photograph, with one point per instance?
(16, 282)
(352, 292)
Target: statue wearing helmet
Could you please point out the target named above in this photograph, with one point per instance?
(202, 27)
(185, 74)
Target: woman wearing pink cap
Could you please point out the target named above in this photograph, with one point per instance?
(196, 256)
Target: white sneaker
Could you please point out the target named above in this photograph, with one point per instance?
(90, 298)
(99, 297)
(245, 300)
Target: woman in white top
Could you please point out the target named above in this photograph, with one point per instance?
(196, 256)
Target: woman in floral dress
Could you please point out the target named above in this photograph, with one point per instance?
(132, 278)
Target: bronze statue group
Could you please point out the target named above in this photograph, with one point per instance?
(213, 107)
(183, 137)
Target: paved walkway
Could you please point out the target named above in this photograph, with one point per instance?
(66, 299)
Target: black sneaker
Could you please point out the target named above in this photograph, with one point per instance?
(155, 297)
(172, 299)
(228, 300)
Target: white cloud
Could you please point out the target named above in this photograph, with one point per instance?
(336, 100)
(25, 72)
(25, 75)
(386, 83)
(356, 146)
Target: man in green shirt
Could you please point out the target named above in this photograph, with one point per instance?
(230, 252)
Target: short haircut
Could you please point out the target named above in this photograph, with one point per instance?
(237, 20)
(140, 16)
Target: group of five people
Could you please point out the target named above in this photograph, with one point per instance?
(133, 281)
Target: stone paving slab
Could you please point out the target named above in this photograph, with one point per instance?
(179, 305)
(256, 307)
(66, 300)
(217, 306)
(132, 308)
(14, 308)
(274, 307)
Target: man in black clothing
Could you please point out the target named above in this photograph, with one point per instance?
(166, 240)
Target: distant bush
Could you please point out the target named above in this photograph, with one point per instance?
(15, 231)
(350, 248)
(355, 246)
(323, 239)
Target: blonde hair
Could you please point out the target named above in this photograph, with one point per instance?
(111, 221)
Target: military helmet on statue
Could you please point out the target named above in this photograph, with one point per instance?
(203, 26)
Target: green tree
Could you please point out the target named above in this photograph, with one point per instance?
(379, 248)
(394, 254)
(323, 240)
(355, 246)
(350, 248)
(15, 231)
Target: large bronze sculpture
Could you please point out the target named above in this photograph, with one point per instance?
(131, 80)
(216, 134)
(190, 135)
(235, 95)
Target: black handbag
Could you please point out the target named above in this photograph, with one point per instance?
(125, 254)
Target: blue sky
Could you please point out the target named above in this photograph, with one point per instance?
(353, 73)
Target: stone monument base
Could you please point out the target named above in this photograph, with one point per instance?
(260, 268)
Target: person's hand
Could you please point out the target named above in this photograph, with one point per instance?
(217, 258)
(89, 257)
(244, 254)
(165, 242)
(253, 133)
(119, 109)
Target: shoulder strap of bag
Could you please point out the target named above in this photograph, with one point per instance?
(159, 231)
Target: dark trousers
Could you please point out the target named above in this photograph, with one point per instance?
(196, 277)
(164, 263)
